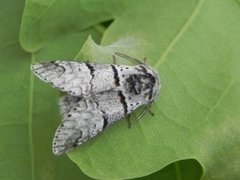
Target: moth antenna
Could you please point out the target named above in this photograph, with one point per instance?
(129, 58)
(129, 120)
(150, 112)
(147, 109)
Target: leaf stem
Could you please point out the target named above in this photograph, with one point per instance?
(178, 172)
(30, 119)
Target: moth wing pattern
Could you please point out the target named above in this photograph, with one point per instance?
(69, 76)
(75, 78)
(84, 118)
(80, 120)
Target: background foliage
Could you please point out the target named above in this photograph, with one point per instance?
(193, 44)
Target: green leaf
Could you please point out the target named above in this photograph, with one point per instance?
(28, 116)
(181, 170)
(194, 45)
(47, 20)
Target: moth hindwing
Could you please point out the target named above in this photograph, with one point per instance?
(97, 96)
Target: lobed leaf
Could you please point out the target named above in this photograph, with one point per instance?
(193, 44)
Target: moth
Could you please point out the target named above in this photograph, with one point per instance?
(97, 95)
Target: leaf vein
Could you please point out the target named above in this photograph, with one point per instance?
(9, 43)
(13, 124)
(51, 4)
(180, 33)
(178, 171)
(219, 100)
(30, 119)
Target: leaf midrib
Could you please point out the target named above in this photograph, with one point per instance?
(30, 119)
(180, 33)
(170, 47)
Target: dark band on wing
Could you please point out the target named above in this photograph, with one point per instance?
(105, 118)
(123, 101)
(105, 121)
(115, 72)
(90, 67)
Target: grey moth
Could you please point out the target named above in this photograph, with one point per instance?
(97, 96)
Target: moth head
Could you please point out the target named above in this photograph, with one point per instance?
(144, 83)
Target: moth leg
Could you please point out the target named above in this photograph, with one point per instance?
(129, 121)
(150, 112)
(147, 109)
(114, 59)
(144, 60)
